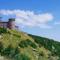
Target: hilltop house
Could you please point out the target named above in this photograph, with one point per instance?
(10, 24)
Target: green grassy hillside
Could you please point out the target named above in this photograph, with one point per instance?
(17, 45)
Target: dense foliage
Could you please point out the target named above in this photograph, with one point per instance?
(49, 44)
(17, 45)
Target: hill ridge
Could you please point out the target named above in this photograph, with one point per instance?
(17, 45)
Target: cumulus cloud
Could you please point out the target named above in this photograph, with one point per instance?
(29, 18)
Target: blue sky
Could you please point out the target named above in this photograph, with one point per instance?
(38, 17)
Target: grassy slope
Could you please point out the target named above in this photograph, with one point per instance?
(49, 44)
(26, 44)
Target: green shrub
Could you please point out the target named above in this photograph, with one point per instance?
(23, 44)
(1, 47)
(25, 57)
(27, 43)
(3, 30)
(18, 57)
(7, 51)
(32, 44)
(16, 51)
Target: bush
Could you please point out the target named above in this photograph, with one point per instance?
(1, 47)
(23, 44)
(32, 44)
(16, 51)
(7, 51)
(18, 57)
(3, 30)
(25, 57)
(27, 43)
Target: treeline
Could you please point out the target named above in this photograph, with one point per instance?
(49, 44)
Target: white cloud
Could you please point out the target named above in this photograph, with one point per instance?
(30, 18)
